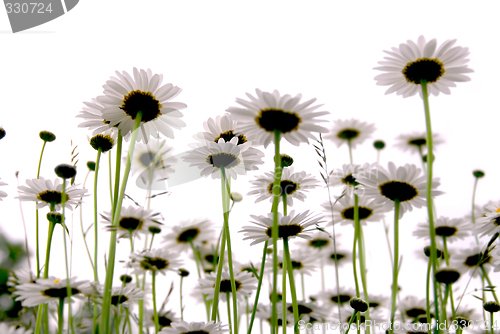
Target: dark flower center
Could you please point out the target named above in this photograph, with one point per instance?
(103, 142)
(350, 180)
(445, 231)
(154, 263)
(274, 119)
(211, 258)
(163, 321)
(418, 142)
(340, 298)
(415, 312)
(51, 196)
(188, 235)
(496, 221)
(337, 257)
(318, 243)
(374, 304)
(398, 190)
(147, 159)
(364, 213)
(118, 299)
(287, 187)
(302, 309)
(59, 292)
(228, 135)
(141, 101)
(475, 259)
(223, 159)
(295, 265)
(225, 286)
(195, 332)
(130, 223)
(285, 231)
(426, 69)
(348, 134)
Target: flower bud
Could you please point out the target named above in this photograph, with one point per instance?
(91, 165)
(491, 307)
(65, 171)
(47, 136)
(126, 279)
(447, 276)
(358, 304)
(55, 217)
(478, 173)
(286, 160)
(379, 144)
(183, 273)
(236, 197)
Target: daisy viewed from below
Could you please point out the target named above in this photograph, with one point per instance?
(452, 229)
(187, 232)
(490, 223)
(165, 318)
(94, 120)
(134, 220)
(413, 307)
(350, 132)
(235, 159)
(244, 282)
(416, 141)
(221, 127)
(472, 258)
(412, 62)
(345, 176)
(183, 327)
(125, 296)
(269, 112)
(343, 296)
(49, 194)
(124, 97)
(308, 311)
(302, 262)
(368, 209)
(341, 256)
(300, 225)
(404, 183)
(156, 260)
(293, 184)
(319, 241)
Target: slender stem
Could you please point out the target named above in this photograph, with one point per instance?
(218, 278)
(485, 275)
(96, 277)
(396, 258)
(430, 161)
(421, 153)
(247, 311)
(60, 316)
(110, 180)
(452, 303)
(427, 293)
(37, 235)
(229, 313)
(180, 292)
(295, 305)
(284, 268)
(155, 312)
(303, 286)
(491, 323)
(473, 207)
(354, 269)
(259, 286)
(362, 266)
(445, 248)
(117, 169)
(106, 305)
(349, 144)
(274, 230)
(354, 315)
(68, 286)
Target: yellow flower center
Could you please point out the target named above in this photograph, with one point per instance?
(498, 210)
(57, 281)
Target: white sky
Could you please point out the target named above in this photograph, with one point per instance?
(218, 51)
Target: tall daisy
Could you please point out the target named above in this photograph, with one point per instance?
(344, 176)
(165, 318)
(369, 210)
(183, 327)
(490, 223)
(412, 307)
(302, 262)
(244, 281)
(412, 62)
(134, 220)
(194, 231)
(236, 159)
(156, 260)
(351, 132)
(269, 112)
(453, 229)
(416, 141)
(125, 297)
(472, 258)
(48, 193)
(402, 183)
(343, 296)
(341, 256)
(293, 225)
(154, 160)
(293, 185)
(124, 97)
(308, 311)
(320, 241)
(94, 120)
(221, 127)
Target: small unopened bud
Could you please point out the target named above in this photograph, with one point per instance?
(379, 144)
(55, 217)
(91, 165)
(427, 252)
(462, 322)
(236, 197)
(478, 173)
(183, 273)
(154, 229)
(47, 136)
(103, 142)
(126, 279)
(358, 304)
(447, 276)
(286, 160)
(491, 307)
(65, 171)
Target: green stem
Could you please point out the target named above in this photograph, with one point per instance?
(396, 258)
(350, 150)
(110, 181)
(274, 230)
(106, 305)
(37, 235)
(362, 265)
(427, 293)
(430, 161)
(295, 305)
(491, 323)
(354, 315)
(303, 286)
(473, 205)
(182, 307)
(68, 287)
(445, 248)
(485, 275)
(96, 277)
(117, 169)
(259, 286)
(60, 316)
(283, 286)
(229, 313)
(218, 278)
(452, 303)
(155, 312)
(422, 158)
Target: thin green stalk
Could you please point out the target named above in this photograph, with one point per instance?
(422, 158)
(96, 277)
(293, 292)
(430, 162)
(247, 311)
(68, 287)
(259, 286)
(445, 299)
(180, 292)
(492, 327)
(355, 271)
(155, 312)
(395, 268)
(350, 150)
(37, 241)
(119, 141)
(60, 316)
(473, 205)
(218, 278)
(274, 230)
(427, 293)
(229, 313)
(452, 303)
(354, 315)
(362, 265)
(303, 286)
(485, 275)
(106, 305)
(110, 180)
(284, 268)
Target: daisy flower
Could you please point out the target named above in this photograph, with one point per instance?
(320, 241)
(343, 211)
(302, 262)
(469, 258)
(345, 177)
(236, 159)
(378, 302)
(308, 311)
(94, 120)
(269, 112)
(466, 314)
(154, 160)
(47, 290)
(246, 266)
(125, 296)
(403, 183)
(415, 141)
(2, 193)
(124, 97)
(103, 141)
(413, 62)
(6, 329)
(412, 307)
(47, 193)
(221, 127)
(293, 184)
(299, 225)
(183, 327)
(351, 132)
(165, 318)
(195, 231)
(245, 283)
(452, 229)
(157, 260)
(134, 220)
(264, 312)
(490, 223)
(342, 256)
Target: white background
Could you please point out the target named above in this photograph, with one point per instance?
(216, 52)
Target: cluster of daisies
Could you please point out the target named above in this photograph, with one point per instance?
(140, 110)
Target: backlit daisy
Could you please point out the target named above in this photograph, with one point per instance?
(125, 296)
(452, 229)
(269, 112)
(134, 220)
(154, 160)
(165, 318)
(183, 327)
(246, 266)
(320, 241)
(245, 283)
(302, 262)
(2, 193)
(346, 312)
(94, 120)
(290, 226)
(404, 183)
(157, 260)
(343, 296)
(343, 211)
(378, 301)
(345, 176)
(490, 223)
(124, 97)
(195, 231)
(293, 184)
(416, 141)
(308, 311)
(341, 256)
(47, 193)
(350, 131)
(12, 329)
(221, 127)
(412, 307)
(236, 159)
(469, 258)
(48, 290)
(412, 62)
